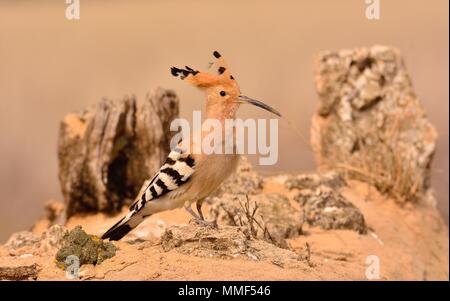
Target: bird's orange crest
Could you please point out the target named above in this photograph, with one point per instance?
(223, 95)
(218, 74)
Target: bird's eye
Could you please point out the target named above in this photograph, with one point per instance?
(223, 93)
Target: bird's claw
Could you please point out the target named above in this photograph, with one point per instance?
(204, 223)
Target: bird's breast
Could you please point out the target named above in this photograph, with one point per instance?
(211, 172)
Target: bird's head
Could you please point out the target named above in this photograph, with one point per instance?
(222, 90)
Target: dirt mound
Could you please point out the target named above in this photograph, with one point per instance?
(270, 217)
(226, 242)
(410, 242)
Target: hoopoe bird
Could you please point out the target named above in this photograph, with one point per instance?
(186, 176)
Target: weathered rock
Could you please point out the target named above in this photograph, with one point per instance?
(21, 239)
(226, 242)
(328, 209)
(244, 181)
(25, 242)
(54, 211)
(88, 248)
(53, 237)
(267, 216)
(204, 242)
(19, 272)
(370, 123)
(54, 214)
(150, 230)
(108, 151)
(311, 181)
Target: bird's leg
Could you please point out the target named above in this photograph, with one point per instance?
(199, 204)
(194, 215)
(199, 219)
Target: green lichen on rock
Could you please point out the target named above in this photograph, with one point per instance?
(89, 249)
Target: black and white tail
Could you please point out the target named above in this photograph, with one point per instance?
(123, 226)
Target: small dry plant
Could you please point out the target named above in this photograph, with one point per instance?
(246, 218)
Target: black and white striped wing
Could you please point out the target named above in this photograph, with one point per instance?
(175, 171)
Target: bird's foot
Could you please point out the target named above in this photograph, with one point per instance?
(204, 223)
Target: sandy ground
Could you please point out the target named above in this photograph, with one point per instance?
(410, 241)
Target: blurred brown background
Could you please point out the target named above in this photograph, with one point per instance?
(50, 66)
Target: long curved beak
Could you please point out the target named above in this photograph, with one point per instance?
(258, 103)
